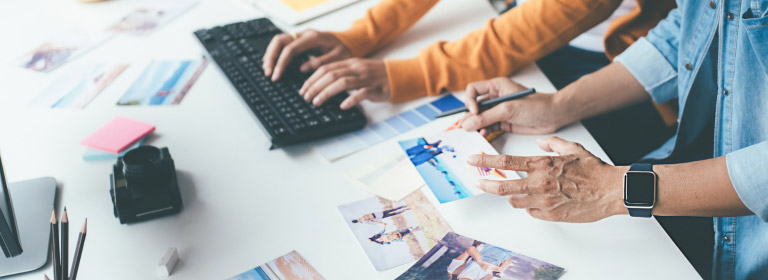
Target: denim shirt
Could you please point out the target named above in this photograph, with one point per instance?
(714, 55)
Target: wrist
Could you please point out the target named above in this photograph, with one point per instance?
(616, 185)
(561, 109)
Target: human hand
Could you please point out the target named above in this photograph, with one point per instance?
(534, 114)
(575, 186)
(367, 76)
(283, 48)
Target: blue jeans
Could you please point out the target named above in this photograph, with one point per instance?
(627, 135)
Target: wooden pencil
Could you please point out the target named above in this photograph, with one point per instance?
(55, 247)
(64, 245)
(78, 251)
(46, 277)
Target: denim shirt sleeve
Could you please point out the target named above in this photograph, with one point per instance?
(652, 60)
(747, 170)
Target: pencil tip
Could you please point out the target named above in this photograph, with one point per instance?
(64, 217)
(46, 277)
(85, 226)
(53, 216)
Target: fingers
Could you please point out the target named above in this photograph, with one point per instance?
(316, 62)
(501, 162)
(537, 213)
(488, 117)
(337, 86)
(294, 48)
(476, 89)
(273, 50)
(356, 98)
(320, 73)
(506, 187)
(561, 147)
(314, 87)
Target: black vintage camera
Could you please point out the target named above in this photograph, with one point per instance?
(143, 185)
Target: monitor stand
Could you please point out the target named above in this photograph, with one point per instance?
(32, 202)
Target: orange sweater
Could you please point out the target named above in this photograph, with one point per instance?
(506, 44)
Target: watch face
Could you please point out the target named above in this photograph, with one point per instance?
(639, 188)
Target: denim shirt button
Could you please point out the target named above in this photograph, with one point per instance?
(729, 16)
(688, 66)
(712, 4)
(725, 92)
(726, 238)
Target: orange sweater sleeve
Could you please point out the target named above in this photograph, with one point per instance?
(383, 23)
(514, 40)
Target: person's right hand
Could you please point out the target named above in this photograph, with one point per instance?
(283, 48)
(534, 114)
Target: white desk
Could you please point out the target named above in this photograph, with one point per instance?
(245, 205)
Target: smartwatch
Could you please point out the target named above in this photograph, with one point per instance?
(640, 190)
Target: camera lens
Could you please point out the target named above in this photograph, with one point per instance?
(141, 161)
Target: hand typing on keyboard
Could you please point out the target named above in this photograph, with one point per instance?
(283, 48)
(367, 76)
(335, 69)
(240, 50)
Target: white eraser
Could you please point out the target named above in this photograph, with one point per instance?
(168, 262)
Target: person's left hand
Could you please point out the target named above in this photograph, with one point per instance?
(574, 187)
(367, 76)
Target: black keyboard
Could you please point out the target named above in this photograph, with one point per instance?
(237, 49)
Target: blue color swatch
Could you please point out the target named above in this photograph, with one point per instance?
(375, 133)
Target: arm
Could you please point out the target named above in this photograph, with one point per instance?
(701, 188)
(514, 40)
(648, 67)
(382, 23)
(518, 38)
(475, 254)
(610, 88)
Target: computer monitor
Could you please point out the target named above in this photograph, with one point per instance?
(9, 235)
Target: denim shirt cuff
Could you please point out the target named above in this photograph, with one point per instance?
(747, 170)
(651, 69)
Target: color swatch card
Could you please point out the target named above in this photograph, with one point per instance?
(117, 135)
(78, 86)
(290, 266)
(461, 257)
(340, 146)
(164, 82)
(394, 233)
(441, 160)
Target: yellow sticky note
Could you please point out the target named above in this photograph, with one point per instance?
(301, 5)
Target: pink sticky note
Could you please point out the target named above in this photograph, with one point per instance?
(117, 135)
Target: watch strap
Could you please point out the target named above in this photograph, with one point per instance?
(641, 167)
(640, 212)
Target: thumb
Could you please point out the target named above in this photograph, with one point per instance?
(561, 146)
(489, 117)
